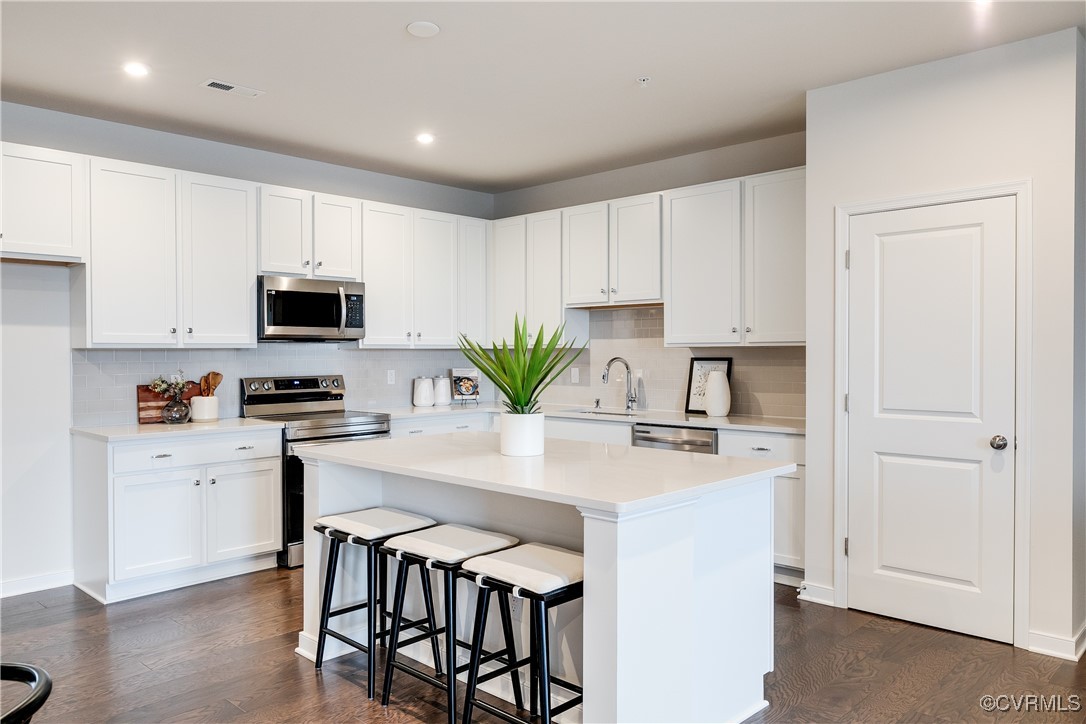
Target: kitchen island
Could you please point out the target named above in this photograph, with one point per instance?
(678, 605)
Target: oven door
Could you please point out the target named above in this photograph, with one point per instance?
(293, 553)
(310, 309)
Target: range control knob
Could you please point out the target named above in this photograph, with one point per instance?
(335, 382)
(267, 385)
(324, 383)
(254, 386)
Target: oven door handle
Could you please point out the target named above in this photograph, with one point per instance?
(342, 311)
(292, 446)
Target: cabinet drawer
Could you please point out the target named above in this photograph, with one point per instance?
(176, 453)
(466, 423)
(762, 445)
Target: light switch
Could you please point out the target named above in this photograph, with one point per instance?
(574, 375)
(392, 377)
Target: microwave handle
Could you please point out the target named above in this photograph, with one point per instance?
(342, 311)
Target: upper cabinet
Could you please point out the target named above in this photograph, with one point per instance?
(471, 280)
(45, 203)
(433, 268)
(543, 274)
(611, 252)
(734, 262)
(386, 270)
(144, 221)
(508, 280)
(311, 235)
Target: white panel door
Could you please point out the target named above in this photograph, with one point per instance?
(244, 509)
(386, 270)
(774, 249)
(286, 231)
(544, 272)
(702, 266)
(337, 237)
(931, 385)
(635, 250)
(433, 272)
(157, 522)
(584, 254)
(507, 276)
(44, 203)
(133, 267)
(471, 284)
(218, 261)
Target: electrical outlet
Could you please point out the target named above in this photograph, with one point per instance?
(391, 377)
(514, 606)
(574, 375)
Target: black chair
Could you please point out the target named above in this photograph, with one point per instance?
(41, 685)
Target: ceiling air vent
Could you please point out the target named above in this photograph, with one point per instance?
(239, 90)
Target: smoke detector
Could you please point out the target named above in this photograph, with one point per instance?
(234, 88)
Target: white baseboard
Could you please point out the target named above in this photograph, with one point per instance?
(787, 576)
(816, 594)
(1059, 646)
(19, 586)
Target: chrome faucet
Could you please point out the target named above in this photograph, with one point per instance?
(631, 393)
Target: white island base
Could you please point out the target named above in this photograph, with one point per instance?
(677, 619)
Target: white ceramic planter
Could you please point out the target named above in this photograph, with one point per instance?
(204, 409)
(522, 435)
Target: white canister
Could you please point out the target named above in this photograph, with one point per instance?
(718, 394)
(424, 392)
(442, 391)
(204, 409)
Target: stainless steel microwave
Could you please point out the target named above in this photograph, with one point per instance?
(310, 309)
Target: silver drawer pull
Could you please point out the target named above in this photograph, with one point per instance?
(212, 481)
(161, 455)
(413, 432)
(195, 482)
(245, 447)
(462, 427)
(762, 449)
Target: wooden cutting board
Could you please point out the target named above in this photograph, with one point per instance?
(149, 403)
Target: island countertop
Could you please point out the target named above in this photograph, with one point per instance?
(612, 478)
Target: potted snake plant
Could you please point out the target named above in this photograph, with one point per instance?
(521, 372)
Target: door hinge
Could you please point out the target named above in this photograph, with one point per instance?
(846, 547)
(847, 259)
(846, 402)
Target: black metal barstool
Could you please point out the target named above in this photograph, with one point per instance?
(369, 528)
(546, 576)
(442, 548)
(40, 685)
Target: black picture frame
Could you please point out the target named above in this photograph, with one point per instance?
(695, 381)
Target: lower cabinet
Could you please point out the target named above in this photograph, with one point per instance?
(144, 525)
(609, 433)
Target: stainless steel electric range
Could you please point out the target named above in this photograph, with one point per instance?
(314, 413)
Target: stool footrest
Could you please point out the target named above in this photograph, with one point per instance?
(497, 712)
(347, 640)
(421, 675)
(348, 609)
(503, 670)
(575, 701)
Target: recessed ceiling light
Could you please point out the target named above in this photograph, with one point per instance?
(136, 70)
(425, 138)
(423, 29)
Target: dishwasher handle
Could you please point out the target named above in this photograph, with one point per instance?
(673, 440)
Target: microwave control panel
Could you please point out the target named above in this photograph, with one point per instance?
(354, 311)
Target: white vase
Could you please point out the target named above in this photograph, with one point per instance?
(522, 435)
(718, 394)
(204, 409)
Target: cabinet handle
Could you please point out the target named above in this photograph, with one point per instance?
(409, 335)
(462, 427)
(320, 264)
(212, 481)
(603, 291)
(190, 330)
(748, 329)
(418, 334)
(173, 330)
(614, 291)
(305, 263)
(413, 432)
(195, 482)
(244, 447)
(161, 455)
(762, 449)
(735, 330)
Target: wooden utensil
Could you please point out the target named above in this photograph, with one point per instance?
(205, 387)
(213, 379)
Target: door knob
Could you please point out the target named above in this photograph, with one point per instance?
(998, 442)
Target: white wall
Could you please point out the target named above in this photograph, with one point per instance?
(36, 411)
(1004, 114)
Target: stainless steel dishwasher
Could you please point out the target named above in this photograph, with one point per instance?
(666, 437)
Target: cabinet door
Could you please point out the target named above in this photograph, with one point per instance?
(44, 203)
(471, 284)
(584, 254)
(635, 249)
(337, 237)
(286, 231)
(386, 270)
(433, 271)
(244, 509)
(218, 261)
(133, 268)
(702, 264)
(157, 522)
(788, 519)
(508, 265)
(774, 249)
(544, 272)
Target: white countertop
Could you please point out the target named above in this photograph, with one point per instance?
(611, 478)
(119, 433)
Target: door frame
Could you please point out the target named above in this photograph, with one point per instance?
(1022, 192)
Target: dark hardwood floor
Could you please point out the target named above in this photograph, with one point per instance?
(224, 652)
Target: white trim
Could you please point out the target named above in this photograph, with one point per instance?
(32, 584)
(817, 594)
(1058, 646)
(160, 582)
(1023, 193)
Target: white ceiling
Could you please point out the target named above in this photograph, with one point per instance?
(517, 93)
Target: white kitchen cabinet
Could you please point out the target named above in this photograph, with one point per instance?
(584, 254)
(318, 236)
(734, 262)
(434, 284)
(45, 204)
(471, 279)
(774, 243)
(608, 432)
(173, 510)
(543, 273)
(508, 279)
(218, 261)
(439, 425)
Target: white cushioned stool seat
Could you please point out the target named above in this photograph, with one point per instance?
(534, 566)
(374, 523)
(451, 543)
